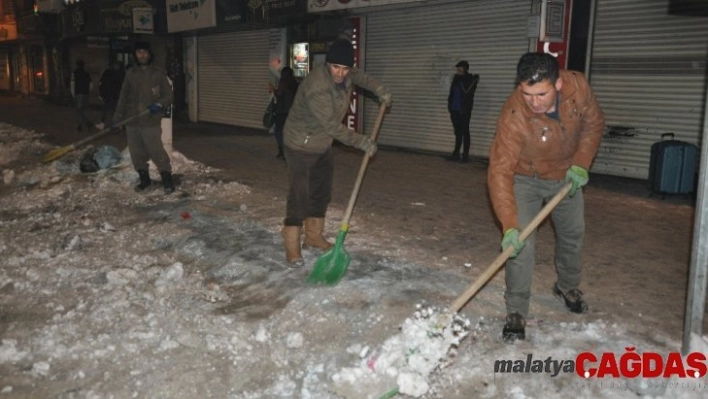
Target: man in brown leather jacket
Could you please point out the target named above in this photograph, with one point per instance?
(547, 134)
(314, 121)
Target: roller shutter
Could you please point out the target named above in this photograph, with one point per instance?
(233, 77)
(413, 51)
(648, 72)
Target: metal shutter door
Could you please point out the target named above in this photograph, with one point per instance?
(233, 77)
(648, 72)
(413, 51)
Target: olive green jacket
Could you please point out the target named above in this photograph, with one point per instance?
(142, 87)
(315, 118)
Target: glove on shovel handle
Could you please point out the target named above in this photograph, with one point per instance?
(499, 261)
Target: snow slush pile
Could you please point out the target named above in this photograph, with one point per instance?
(404, 362)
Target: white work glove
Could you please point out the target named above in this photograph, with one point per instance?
(367, 145)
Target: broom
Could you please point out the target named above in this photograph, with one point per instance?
(61, 151)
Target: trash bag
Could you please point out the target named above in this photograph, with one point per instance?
(107, 156)
(88, 164)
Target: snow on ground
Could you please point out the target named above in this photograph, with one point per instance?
(106, 293)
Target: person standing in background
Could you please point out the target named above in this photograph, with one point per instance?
(81, 86)
(284, 95)
(109, 90)
(460, 102)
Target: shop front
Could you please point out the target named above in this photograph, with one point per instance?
(414, 52)
(233, 50)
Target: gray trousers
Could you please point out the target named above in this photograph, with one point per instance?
(145, 143)
(569, 224)
(310, 177)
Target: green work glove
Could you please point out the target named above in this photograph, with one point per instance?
(578, 177)
(511, 237)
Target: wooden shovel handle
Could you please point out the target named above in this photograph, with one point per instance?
(499, 261)
(362, 171)
(109, 129)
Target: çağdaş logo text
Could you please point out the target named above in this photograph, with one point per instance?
(629, 364)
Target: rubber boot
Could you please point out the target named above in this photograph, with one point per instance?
(167, 182)
(291, 238)
(313, 234)
(145, 181)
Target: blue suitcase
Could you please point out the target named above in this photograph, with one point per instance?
(672, 166)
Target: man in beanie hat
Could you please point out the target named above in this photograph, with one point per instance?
(459, 103)
(314, 121)
(146, 87)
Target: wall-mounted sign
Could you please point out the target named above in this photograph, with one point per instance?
(97, 42)
(117, 16)
(270, 12)
(230, 12)
(329, 5)
(78, 20)
(142, 20)
(49, 6)
(185, 15)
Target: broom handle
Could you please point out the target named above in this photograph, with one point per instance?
(362, 171)
(499, 261)
(109, 129)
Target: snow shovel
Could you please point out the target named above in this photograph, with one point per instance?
(499, 261)
(60, 152)
(332, 265)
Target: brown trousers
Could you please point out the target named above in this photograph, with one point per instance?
(310, 179)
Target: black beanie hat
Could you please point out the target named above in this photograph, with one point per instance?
(341, 52)
(141, 46)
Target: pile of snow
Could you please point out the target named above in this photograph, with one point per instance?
(405, 361)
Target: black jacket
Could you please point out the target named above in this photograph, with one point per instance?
(82, 81)
(110, 84)
(468, 82)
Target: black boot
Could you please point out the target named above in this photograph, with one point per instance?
(280, 153)
(454, 157)
(145, 181)
(167, 182)
(514, 328)
(572, 299)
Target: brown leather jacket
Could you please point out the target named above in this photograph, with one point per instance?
(535, 145)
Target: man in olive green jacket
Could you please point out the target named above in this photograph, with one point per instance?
(146, 87)
(314, 121)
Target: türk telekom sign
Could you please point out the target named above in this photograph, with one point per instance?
(329, 5)
(185, 15)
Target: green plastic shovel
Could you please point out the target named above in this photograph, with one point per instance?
(332, 265)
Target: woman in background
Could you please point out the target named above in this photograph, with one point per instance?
(284, 95)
